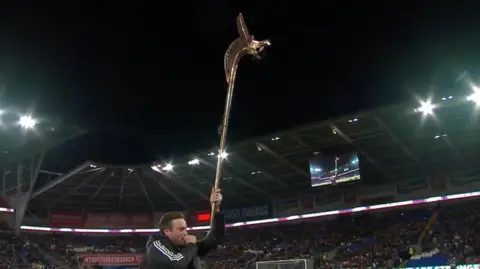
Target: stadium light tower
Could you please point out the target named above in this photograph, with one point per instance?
(243, 45)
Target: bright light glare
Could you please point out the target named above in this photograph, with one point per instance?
(474, 97)
(168, 167)
(27, 122)
(156, 168)
(426, 108)
(194, 162)
(223, 155)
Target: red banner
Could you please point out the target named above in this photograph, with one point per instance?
(99, 220)
(67, 219)
(112, 259)
(119, 220)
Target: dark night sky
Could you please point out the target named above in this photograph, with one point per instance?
(148, 81)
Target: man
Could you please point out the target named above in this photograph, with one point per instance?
(174, 248)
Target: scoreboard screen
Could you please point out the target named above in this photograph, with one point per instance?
(327, 170)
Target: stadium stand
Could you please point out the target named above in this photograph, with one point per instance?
(379, 240)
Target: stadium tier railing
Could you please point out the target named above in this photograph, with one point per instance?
(265, 221)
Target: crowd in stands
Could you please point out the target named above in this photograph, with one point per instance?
(17, 252)
(447, 234)
(444, 235)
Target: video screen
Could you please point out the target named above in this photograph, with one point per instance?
(334, 169)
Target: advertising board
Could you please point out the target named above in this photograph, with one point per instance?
(111, 259)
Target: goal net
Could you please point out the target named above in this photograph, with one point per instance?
(285, 264)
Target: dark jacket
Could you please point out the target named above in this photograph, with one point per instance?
(163, 254)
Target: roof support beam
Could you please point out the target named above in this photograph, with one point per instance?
(34, 217)
(239, 197)
(402, 145)
(60, 179)
(241, 180)
(267, 175)
(156, 179)
(19, 178)
(284, 160)
(35, 169)
(449, 142)
(370, 159)
(120, 194)
(145, 192)
(300, 141)
(79, 186)
(183, 184)
(454, 149)
(99, 190)
(4, 181)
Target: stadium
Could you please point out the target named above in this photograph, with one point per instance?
(411, 201)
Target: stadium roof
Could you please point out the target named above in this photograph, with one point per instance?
(395, 143)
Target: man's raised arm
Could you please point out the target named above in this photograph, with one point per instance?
(213, 237)
(217, 231)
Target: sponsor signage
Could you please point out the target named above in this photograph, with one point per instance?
(67, 219)
(111, 259)
(119, 220)
(99, 220)
(248, 213)
(233, 215)
(81, 249)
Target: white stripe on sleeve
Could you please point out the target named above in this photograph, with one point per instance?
(169, 254)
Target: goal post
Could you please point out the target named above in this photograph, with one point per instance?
(285, 264)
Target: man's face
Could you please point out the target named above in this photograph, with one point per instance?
(177, 231)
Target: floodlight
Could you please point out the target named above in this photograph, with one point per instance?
(474, 97)
(426, 107)
(27, 122)
(168, 167)
(223, 155)
(156, 168)
(194, 162)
